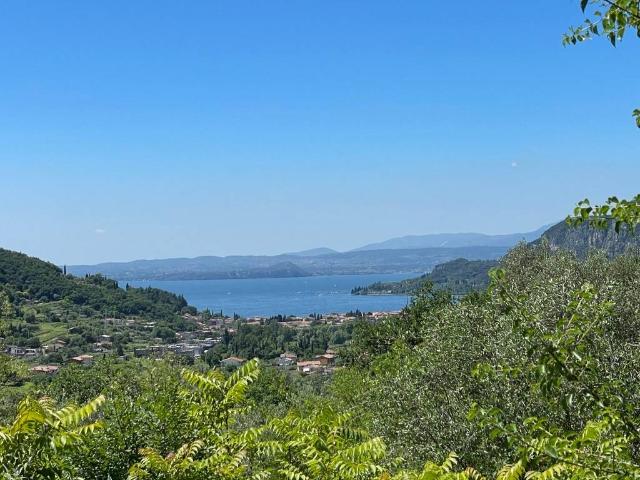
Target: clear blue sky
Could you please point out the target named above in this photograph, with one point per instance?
(150, 129)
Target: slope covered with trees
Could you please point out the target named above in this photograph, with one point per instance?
(38, 303)
(27, 279)
(425, 370)
(458, 276)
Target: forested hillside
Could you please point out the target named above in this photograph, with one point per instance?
(484, 351)
(40, 304)
(27, 280)
(458, 276)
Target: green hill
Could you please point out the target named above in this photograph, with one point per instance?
(39, 303)
(460, 276)
(28, 279)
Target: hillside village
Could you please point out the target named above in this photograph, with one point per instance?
(207, 332)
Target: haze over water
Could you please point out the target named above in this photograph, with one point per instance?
(287, 296)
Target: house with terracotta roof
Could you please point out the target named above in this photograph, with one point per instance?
(326, 359)
(232, 362)
(309, 366)
(55, 345)
(83, 359)
(46, 369)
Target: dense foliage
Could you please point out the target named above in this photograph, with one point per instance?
(459, 276)
(35, 446)
(38, 302)
(27, 279)
(612, 19)
(413, 373)
(535, 376)
(271, 339)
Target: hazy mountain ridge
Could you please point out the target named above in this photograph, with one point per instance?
(314, 252)
(415, 253)
(347, 263)
(455, 240)
(279, 270)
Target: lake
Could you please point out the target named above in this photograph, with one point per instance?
(287, 296)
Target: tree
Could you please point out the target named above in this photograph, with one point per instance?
(612, 19)
(35, 445)
(619, 213)
(564, 367)
(320, 446)
(12, 371)
(608, 18)
(216, 450)
(6, 308)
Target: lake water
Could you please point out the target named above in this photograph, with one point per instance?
(287, 296)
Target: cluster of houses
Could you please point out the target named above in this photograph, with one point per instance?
(53, 369)
(320, 364)
(191, 344)
(103, 344)
(324, 363)
(193, 349)
(24, 352)
(16, 351)
(329, 319)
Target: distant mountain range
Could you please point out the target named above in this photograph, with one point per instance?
(453, 240)
(314, 252)
(399, 255)
(346, 263)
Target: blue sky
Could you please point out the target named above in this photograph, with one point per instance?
(153, 129)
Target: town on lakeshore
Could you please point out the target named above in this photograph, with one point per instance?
(208, 331)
